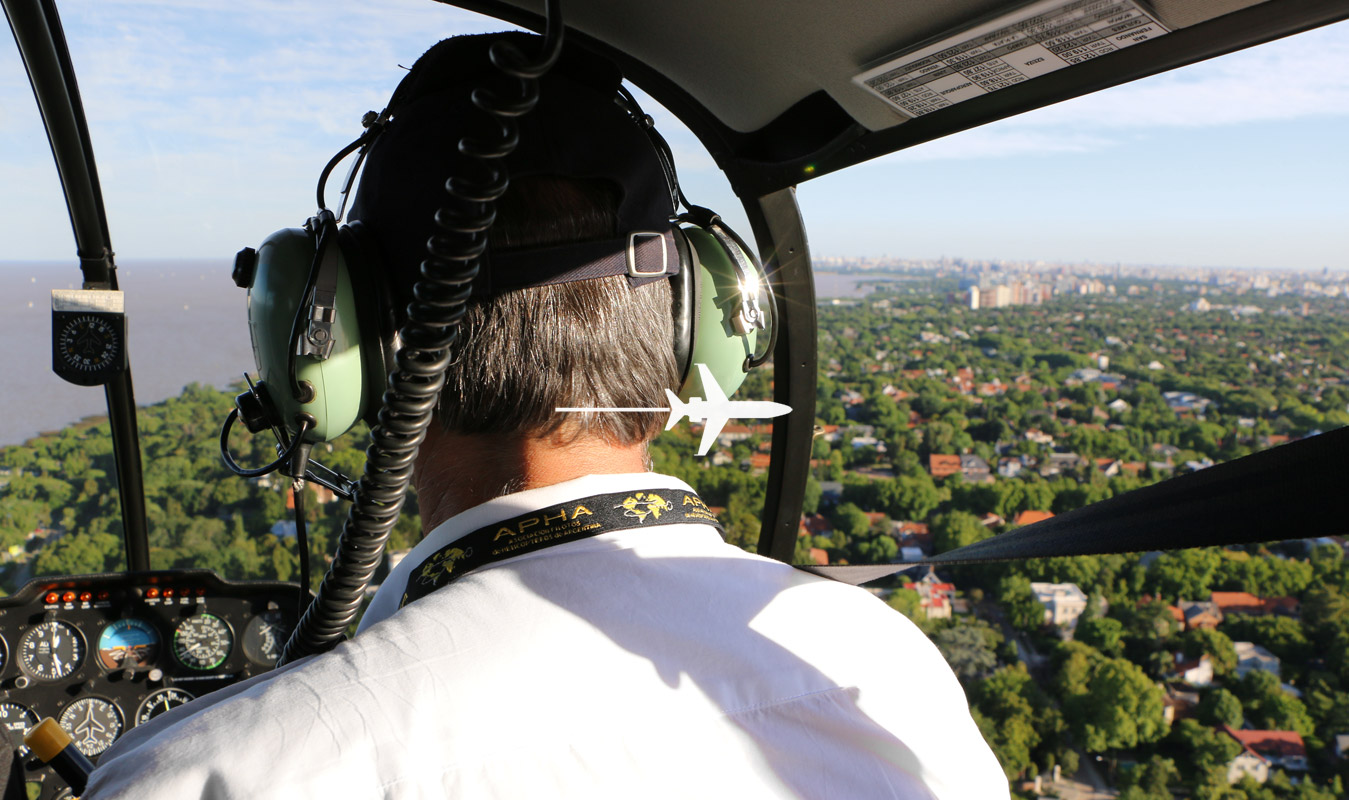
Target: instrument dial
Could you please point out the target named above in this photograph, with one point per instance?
(129, 644)
(88, 343)
(18, 719)
(265, 636)
(51, 651)
(159, 702)
(94, 723)
(202, 642)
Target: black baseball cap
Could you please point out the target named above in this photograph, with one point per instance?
(578, 129)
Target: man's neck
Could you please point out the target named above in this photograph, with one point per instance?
(455, 472)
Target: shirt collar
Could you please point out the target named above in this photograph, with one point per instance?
(385, 602)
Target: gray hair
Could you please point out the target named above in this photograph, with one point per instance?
(597, 343)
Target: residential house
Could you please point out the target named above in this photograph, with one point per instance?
(1038, 436)
(1196, 672)
(937, 597)
(943, 466)
(1109, 467)
(1248, 763)
(975, 469)
(1238, 603)
(1061, 462)
(1031, 517)
(914, 534)
(817, 525)
(1283, 749)
(1178, 704)
(1200, 614)
(1186, 401)
(1063, 602)
(1252, 656)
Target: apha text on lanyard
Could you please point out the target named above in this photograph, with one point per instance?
(556, 524)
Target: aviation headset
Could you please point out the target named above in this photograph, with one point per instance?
(323, 322)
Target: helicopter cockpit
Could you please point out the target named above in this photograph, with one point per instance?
(764, 103)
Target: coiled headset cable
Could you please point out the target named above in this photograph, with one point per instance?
(440, 299)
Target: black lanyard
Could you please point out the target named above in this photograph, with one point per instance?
(556, 524)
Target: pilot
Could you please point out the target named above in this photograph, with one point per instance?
(650, 660)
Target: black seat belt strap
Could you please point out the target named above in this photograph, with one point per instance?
(1295, 491)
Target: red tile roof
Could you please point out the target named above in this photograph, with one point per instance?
(1280, 744)
(943, 465)
(1241, 602)
(1028, 517)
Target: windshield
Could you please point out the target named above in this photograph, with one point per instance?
(1015, 321)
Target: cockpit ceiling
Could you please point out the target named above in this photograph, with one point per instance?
(749, 62)
(755, 71)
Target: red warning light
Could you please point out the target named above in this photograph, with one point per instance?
(104, 595)
(168, 591)
(152, 592)
(201, 593)
(52, 597)
(86, 596)
(68, 597)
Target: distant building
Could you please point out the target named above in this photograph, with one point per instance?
(1197, 672)
(1200, 614)
(975, 469)
(1251, 656)
(1284, 749)
(942, 466)
(1178, 705)
(1238, 603)
(1032, 517)
(1063, 602)
(937, 597)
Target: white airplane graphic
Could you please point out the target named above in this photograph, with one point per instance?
(714, 411)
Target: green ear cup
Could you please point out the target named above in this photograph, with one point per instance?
(715, 342)
(273, 299)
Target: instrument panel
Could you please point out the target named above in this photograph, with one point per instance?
(104, 653)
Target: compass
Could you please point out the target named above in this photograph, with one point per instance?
(88, 336)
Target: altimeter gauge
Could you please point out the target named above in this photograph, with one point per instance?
(51, 651)
(159, 702)
(93, 723)
(202, 642)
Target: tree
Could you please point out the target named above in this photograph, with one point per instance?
(1213, 643)
(970, 649)
(1005, 708)
(851, 520)
(907, 602)
(1107, 702)
(1102, 633)
(1219, 707)
(955, 529)
(1205, 747)
(1019, 603)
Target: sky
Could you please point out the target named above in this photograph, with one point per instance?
(212, 120)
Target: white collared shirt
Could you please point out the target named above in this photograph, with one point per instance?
(657, 662)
